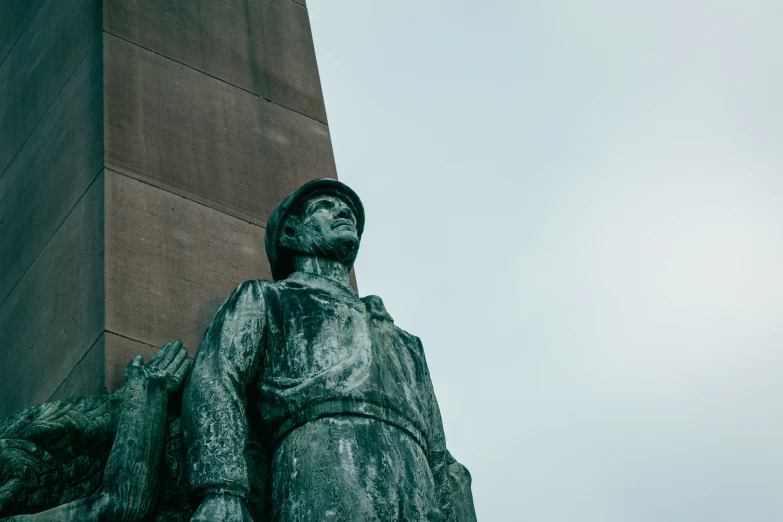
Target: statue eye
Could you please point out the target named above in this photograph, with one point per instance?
(323, 204)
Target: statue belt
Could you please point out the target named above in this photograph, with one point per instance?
(349, 407)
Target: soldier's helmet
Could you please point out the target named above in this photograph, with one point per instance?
(281, 258)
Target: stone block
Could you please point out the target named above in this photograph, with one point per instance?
(52, 171)
(264, 47)
(170, 262)
(38, 67)
(14, 17)
(287, 59)
(188, 133)
(87, 377)
(55, 313)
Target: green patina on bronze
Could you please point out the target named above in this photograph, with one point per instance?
(304, 402)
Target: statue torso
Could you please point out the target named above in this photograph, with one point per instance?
(327, 352)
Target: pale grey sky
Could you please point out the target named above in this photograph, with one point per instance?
(578, 207)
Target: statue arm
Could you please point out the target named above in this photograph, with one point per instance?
(452, 479)
(132, 476)
(437, 456)
(214, 415)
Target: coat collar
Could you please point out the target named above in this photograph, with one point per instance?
(371, 303)
(328, 285)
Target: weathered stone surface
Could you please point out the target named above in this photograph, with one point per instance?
(40, 64)
(263, 47)
(170, 262)
(55, 452)
(342, 396)
(55, 313)
(100, 458)
(43, 183)
(193, 135)
(14, 17)
(459, 476)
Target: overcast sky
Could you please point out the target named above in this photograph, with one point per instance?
(578, 206)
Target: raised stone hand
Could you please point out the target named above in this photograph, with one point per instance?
(132, 472)
(222, 507)
(169, 366)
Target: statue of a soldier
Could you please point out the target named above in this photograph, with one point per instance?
(307, 403)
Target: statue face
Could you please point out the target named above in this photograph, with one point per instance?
(325, 227)
(332, 219)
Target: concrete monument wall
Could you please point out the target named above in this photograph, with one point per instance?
(51, 195)
(144, 145)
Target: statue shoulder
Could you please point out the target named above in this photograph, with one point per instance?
(377, 311)
(250, 294)
(254, 288)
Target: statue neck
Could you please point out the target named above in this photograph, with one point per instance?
(323, 267)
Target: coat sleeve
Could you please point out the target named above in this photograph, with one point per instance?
(437, 453)
(461, 494)
(214, 413)
(452, 479)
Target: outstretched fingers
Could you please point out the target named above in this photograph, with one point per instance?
(181, 373)
(165, 355)
(176, 361)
